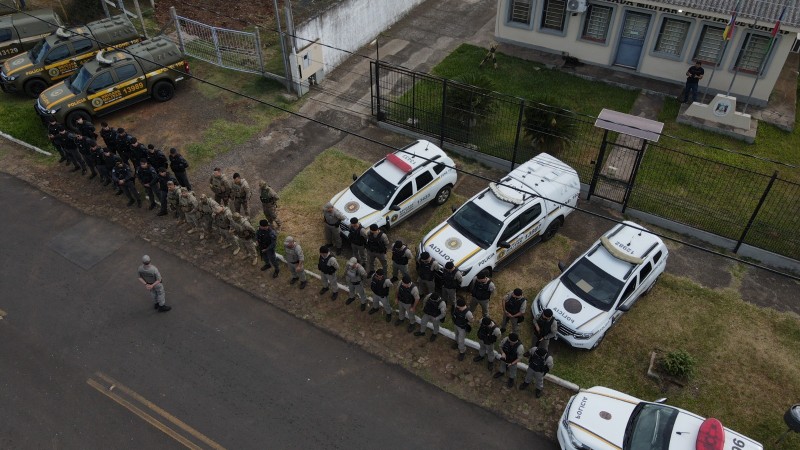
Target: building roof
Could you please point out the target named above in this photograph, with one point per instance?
(766, 11)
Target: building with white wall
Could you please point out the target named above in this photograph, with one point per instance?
(661, 39)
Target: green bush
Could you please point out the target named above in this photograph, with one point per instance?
(679, 364)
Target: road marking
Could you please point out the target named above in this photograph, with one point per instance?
(144, 404)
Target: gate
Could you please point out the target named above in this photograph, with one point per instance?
(237, 50)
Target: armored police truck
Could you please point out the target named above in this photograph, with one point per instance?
(19, 32)
(114, 80)
(63, 53)
(525, 207)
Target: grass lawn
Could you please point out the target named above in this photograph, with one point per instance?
(746, 356)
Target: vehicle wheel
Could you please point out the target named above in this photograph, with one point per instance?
(72, 119)
(34, 87)
(599, 340)
(163, 91)
(443, 195)
(552, 229)
(651, 286)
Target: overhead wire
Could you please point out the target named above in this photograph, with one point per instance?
(454, 167)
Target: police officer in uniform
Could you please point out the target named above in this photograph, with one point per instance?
(70, 146)
(332, 218)
(539, 364)
(156, 158)
(511, 350)
(137, 149)
(174, 201)
(462, 316)
(544, 328)
(488, 333)
(482, 290)
(380, 286)
(377, 244)
(53, 129)
(514, 305)
(407, 300)
(269, 202)
(178, 164)
(163, 180)
(267, 238)
(149, 178)
(426, 267)
(355, 275)
(84, 144)
(451, 281)
(220, 186)
(126, 180)
(434, 310)
(97, 161)
(328, 266)
(243, 234)
(358, 239)
(86, 128)
(240, 191)
(108, 134)
(401, 255)
(294, 256)
(122, 145)
(110, 161)
(150, 277)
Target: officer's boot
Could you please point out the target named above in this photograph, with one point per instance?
(490, 366)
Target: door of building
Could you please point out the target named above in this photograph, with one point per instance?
(631, 41)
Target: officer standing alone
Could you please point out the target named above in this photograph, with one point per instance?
(150, 277)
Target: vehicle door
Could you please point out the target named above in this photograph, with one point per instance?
(56, 64)
(100, 91)
(425, 189)
(84, 51)
(9, 43)
(130, 84)
(628, 297)
(520, 230)
(402, 200)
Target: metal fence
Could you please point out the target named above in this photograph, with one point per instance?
(732, 202)
(232, 49)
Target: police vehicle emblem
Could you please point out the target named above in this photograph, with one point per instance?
(393, 218)
(53, 72)
(573, 306)
(57, 92)
(605, 415)
(97, 102)
(352, 207)
(453, 243)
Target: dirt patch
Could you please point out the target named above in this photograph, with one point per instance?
(218, 13)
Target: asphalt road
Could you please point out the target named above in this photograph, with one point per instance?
(85, 362)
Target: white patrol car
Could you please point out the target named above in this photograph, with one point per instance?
(397, 186)
(523, 208)
(603, 283)
(601, 418)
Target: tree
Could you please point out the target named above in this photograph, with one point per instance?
(550, 128)
(469, 100)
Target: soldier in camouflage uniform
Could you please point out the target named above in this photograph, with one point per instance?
(206, 206)
(245, 234)
(174, 200)
(269, 201)
(190, 209)
(222, 227)
(220, 186)
(240, 191)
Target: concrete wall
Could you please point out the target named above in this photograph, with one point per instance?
(350, 25)
(604, 54)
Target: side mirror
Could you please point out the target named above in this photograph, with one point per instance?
(561, 266)
(355, 177)
(395, 207)
(661, 400)
(624, 308)
(503, 244)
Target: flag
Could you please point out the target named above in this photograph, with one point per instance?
(775, 32)
(728, 33)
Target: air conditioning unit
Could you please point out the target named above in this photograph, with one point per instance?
(576, 6)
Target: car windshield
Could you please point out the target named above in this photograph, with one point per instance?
(78, 81)
(476, 224)
(373, 189)
(592, 284)
(39, 50)
(650, 427)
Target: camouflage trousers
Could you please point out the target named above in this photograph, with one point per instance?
(226, 235)
(192, 218)
(271, 214)
(248, 245)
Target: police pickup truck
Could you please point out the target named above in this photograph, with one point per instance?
(19, 32)
(398, 186)
(114, 80)
(63, 53)
(525, 207)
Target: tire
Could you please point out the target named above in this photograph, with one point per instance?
(72, 118)
(163, 91)
(34, 87)
(552, 229)
(651, 287)
(596, 344)
(443, 195)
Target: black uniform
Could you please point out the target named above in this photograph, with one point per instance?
(126, 180)
(71, 147)
(148, 176)
(87, 130)
(83, 148)
(157, 159)
(109, 136)
(99, 161)
(163, 190)
(178, 164)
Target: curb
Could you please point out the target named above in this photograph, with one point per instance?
(25, 144)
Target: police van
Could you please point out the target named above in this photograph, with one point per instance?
(114, 80)
(63, 53)
(603, 283)
(397, 186)
(20, 32)
(527, 206)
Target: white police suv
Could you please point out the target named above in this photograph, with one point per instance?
(603, 283)
(521, 209)
(604, 419)
(397, 186)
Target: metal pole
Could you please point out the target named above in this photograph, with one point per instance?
(714, 69)
(736, 66)
(379, 114)
(290, 31)
(441, 119)
(257, 37)
(141, 17)
(372, 90)
(284, 56)
(216, 46)
(414, 99)
(755, 213)
(519, 131)
(105, 9)
(636, 164)
(174, 16)
(598, 165)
